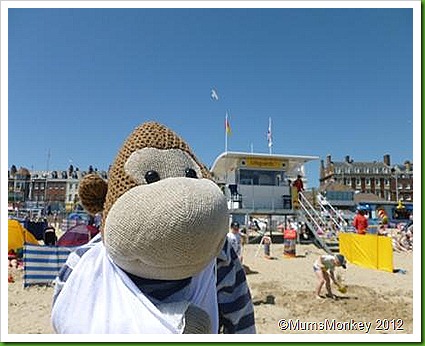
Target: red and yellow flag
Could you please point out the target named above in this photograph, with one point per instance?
(227, 125)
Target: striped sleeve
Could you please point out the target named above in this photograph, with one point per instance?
(70, 264)
(236, 312)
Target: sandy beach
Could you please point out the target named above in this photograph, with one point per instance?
(281, 289)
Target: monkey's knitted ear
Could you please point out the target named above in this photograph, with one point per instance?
(92, 191)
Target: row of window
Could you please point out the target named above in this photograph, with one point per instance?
(40, 186)
(261, 177)
(368, 181)
(368, 170)
(38, 198)
(70, 198)
(385, 182)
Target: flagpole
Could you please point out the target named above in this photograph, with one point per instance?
(225, 132)
(270, 127)
(270, 136)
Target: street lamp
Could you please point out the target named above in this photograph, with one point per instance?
(395, 174)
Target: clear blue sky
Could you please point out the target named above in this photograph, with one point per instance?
(334, 81)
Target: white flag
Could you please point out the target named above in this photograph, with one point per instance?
(214, 94)
(269, 134)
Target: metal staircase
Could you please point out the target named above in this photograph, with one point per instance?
(323, 221)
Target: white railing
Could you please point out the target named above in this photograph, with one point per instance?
(311, 212)
(314, 221)
(333, 214)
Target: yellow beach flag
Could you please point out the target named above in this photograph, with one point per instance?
(227, 125)
(228, 130)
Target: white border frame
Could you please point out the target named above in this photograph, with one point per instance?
(415, 5)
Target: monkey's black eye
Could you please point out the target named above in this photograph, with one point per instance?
(151, 177)
(190, 173)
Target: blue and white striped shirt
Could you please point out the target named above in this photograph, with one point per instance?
(236, 312)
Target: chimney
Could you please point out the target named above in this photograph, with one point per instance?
(328, 160)
(387, 160)
(407, 165)
(347, 159)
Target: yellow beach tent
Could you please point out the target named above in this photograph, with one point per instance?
(18, 235)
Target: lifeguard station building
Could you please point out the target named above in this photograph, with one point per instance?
(258, 183)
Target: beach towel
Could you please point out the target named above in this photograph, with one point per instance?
(99, 298)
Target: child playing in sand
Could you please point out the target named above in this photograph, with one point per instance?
(324, 268)
(267, 242)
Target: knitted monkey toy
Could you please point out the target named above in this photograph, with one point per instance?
(162, 263)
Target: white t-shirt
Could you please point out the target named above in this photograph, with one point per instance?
(235, 239)
(327, 262)
(109, 294)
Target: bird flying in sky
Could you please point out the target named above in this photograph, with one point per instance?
(214, 94)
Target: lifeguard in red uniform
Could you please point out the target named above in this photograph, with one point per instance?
(297, 187)
(298, 183)
(360, 222)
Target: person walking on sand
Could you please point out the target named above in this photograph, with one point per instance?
(324, 267)
(234, 237)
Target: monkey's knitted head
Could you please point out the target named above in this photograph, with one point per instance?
(163, 217)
